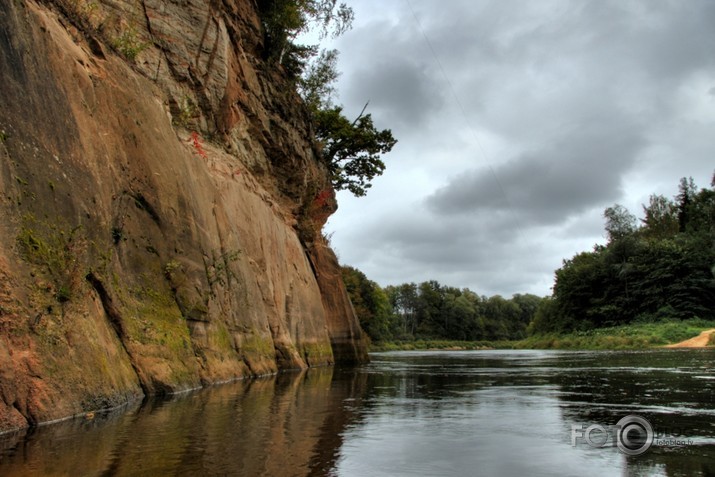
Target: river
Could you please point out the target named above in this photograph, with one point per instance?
(434, 413)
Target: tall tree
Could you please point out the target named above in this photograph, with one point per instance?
(686, 193)
(660, 219)
(371, 304)
(619, 222)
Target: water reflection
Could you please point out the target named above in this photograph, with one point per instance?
(434, 413)
(511, 413)
(283, 425)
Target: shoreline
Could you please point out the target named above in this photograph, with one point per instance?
(688, 334)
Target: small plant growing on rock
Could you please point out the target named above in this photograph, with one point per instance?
(129, 44)
(171, 267)
(186, 111)
(219, 270)
(88, 10)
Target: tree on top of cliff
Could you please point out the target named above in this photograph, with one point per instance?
(284, 20)
(350, 149)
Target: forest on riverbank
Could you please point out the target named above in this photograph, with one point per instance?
(651, 275)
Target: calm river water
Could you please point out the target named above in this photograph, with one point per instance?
(461, 413)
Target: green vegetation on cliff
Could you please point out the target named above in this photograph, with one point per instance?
(284, 20)
(350, 149)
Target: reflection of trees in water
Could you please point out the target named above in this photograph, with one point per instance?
(668, 390)
(591, 387)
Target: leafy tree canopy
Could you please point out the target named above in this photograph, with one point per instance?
(619, 222)
(352, 150)
(431, 310)
(664, 268)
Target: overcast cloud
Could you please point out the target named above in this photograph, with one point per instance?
(518, 123)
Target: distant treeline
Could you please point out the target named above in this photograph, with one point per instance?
(432, 311)
(660, 268)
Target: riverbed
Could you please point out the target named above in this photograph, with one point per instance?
(492, 412)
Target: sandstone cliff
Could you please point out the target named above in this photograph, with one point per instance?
(161, 208)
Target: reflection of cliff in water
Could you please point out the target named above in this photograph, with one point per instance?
(291, 423)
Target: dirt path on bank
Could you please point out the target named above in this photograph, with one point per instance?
(699, 341)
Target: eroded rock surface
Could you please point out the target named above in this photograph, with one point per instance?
(161, 208)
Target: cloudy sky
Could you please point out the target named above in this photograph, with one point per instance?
(518, 123)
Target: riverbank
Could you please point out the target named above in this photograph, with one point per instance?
(704, 339)
(632, 336)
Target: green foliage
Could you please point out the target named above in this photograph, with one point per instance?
(218, 270)
(619, 222)
(660, 218)
(184, 112)
(426, 345)
(371, 304)
(351, 150)
(663, 269)
(284, 20)
(317, 85)
(87, 12)
(634, 335)
(686, 194)
(430, 311)
(128, 44)
(631, 336)
(171, 267)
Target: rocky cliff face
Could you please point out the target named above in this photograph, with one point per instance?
(161, 208)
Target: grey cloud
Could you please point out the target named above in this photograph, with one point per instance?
(487, 257)
(578, 172)
(394, 75)
(398, 89)
(681, 38)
